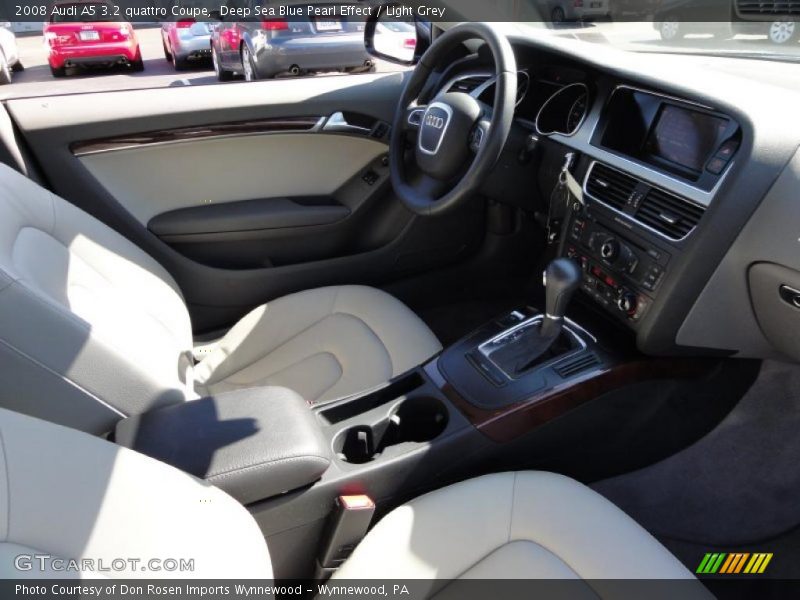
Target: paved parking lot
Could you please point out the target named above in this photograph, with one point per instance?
(36, 80)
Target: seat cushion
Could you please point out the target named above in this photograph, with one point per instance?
(76, 497)
(324, 343)
(510, 526)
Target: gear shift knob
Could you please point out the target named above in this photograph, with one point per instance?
(561, 278)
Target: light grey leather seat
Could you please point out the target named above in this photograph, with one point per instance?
(92, 329)
(76, 496)
(529, 524)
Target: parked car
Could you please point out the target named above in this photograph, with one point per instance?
(778, 32)
(88, 33)
(9, 55)
(558, 11)
(778, 21)
(264, 49)
(632, 10)
(673, 19)
(186, 41)
(676, 18)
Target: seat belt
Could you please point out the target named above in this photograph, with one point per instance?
(347, 526)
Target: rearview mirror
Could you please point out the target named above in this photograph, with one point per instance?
(393, 39)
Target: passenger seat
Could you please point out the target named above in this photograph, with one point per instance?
(75, 496)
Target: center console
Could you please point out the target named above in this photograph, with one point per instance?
(292, 462)
(525, 352)
(625, 232)
(623, 270)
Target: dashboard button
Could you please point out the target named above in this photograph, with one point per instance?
(610, 249)
(716, 165)
(728, 149)
(627, 303)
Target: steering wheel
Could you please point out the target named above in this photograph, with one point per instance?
(458, 140)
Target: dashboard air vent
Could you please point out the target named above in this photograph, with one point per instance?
(610, 186)
(783, 8)
(669, 214)
(468, 84)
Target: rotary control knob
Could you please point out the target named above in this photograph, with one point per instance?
(609, 249)
(627, 303)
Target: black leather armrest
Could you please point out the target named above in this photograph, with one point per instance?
(253, 443)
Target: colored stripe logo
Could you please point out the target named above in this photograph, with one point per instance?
(734, 563)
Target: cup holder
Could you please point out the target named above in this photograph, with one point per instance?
(420, 419)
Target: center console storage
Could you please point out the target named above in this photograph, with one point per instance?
(254, 444)
(291, 462)
(417, 419)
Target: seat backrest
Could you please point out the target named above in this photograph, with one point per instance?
(71, 502)
(92, 329)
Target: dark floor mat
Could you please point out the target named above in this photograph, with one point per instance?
(739, 484)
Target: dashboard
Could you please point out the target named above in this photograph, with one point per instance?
(674, 163)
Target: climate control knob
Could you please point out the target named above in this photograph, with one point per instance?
(627, 303)
(609, 249)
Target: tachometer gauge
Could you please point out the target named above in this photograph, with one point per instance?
(577, 113)
(564, 112)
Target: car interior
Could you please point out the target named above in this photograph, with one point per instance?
(528, 309)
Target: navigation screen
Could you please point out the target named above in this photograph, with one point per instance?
(684, 137)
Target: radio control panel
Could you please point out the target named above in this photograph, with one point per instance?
(621, 274)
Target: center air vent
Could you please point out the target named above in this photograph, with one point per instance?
(468, 84)
(610, 186)
(570, 367)
(669, 214)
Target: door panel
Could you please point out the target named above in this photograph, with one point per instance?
(226, 169)
(314, 218)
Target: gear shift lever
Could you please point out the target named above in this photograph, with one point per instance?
(561, 278)
(521, 351)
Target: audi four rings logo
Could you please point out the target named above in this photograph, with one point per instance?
(434, 121)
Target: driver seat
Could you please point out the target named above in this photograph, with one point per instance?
(93, 329)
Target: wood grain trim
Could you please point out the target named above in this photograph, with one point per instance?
(509, 422)
(185, 134)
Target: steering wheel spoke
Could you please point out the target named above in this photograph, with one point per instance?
(430, 187)
(413, 117)
(478, 134)
(458, 137)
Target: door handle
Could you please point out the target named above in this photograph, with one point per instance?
(790, 295)
(337, 122)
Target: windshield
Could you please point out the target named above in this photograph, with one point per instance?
(774, 40)
(161, 47)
